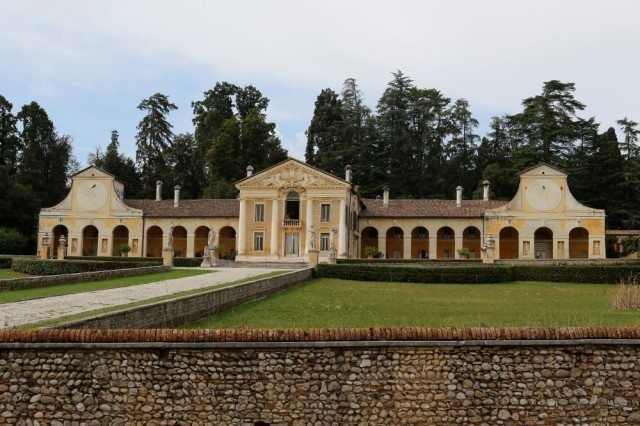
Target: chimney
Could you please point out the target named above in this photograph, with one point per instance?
(159, 190)
(347, 173)
(249, 171)
(458, 196)
(485, 193)
(176, 196)
(385, 196)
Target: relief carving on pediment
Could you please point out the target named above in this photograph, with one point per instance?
(293, 176)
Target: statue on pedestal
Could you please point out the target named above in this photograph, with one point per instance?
(332, 246)
(207, 259)
(312, 238)
(170, 239)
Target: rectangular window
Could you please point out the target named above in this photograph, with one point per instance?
(258, 241)
(325, 212)
(324, 242)
(259, 217)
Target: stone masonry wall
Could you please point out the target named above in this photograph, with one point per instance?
(175, 376)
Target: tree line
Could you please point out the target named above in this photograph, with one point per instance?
(422, 144)
(417, 141)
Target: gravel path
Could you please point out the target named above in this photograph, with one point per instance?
(37, 310)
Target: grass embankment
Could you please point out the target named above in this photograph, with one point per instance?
(59, 320)
(62, 289)
(330, 302)
(7, 274)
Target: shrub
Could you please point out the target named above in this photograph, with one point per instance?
(373, 252)
(187, 262)
(11, 241)
(5, 262)
(57, 267)
(402, 273)
(464, 253)
(626, 295)
(124, 248)
(116, 259)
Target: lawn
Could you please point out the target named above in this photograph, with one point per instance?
(6, 274)
(330, 302)
(59, 290)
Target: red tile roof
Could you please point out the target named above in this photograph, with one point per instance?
(187, 208)
(428, 208)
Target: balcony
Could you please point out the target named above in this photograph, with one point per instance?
(291, 223)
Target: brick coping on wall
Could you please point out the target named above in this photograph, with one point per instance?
(410, 336)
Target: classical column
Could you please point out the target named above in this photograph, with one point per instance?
(242, 226)
(457, 246)
(191, 244)
(433, 246)
(406, 249)
(382, 246)
(342, 229)
(275, 222)
(309, 223)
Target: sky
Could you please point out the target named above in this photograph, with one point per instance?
(90, 63)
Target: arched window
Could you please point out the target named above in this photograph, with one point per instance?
(120, 237)
(90, 241)
(509, 243)
(292, 207)
(420, 243)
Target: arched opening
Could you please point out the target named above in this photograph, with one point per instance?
(292, 206)
(419, 243)
(57, 232)
(368, 238)
(227, 240)
(395, 243)
(179, 241)
(543, 243)
(201, 237)
(120, 237)
(446, 243)
(509, 243)
(579, 243)
(154, 241)
(471, 241)
(90, 241)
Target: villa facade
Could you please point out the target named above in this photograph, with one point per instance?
(286, 210)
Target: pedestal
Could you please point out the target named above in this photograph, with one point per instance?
(44, 251)
(313, 258)
(167, 257)
(62, 252)
(488, 251)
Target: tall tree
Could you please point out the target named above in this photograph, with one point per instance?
(549, 123)
(45, 162)
(397, 160)
(325, 146)
(153, 139)
(630, 143)
(10, 143)
(462, 147)
(119, 165)
(185, 167)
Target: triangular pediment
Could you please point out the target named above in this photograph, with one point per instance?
(543, 170)
(292, 173)
(93, 172)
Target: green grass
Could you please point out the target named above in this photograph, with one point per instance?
(339, 303)
(61, 289)
(6, 274)
(55, 321)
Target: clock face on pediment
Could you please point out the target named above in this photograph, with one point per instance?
(92, 195)
(543, 194)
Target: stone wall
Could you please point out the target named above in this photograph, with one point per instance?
(48, 280)
(172, 376)
(174, 312)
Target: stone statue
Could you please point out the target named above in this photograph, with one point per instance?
(332, 246)
(312, 238)
(170, 239)
(211, 239)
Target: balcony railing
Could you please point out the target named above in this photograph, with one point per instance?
(291, 223)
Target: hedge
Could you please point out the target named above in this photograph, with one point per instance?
(56, 267)
(5, 262)
(599, 274)
(400, 273)
(177, 261)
